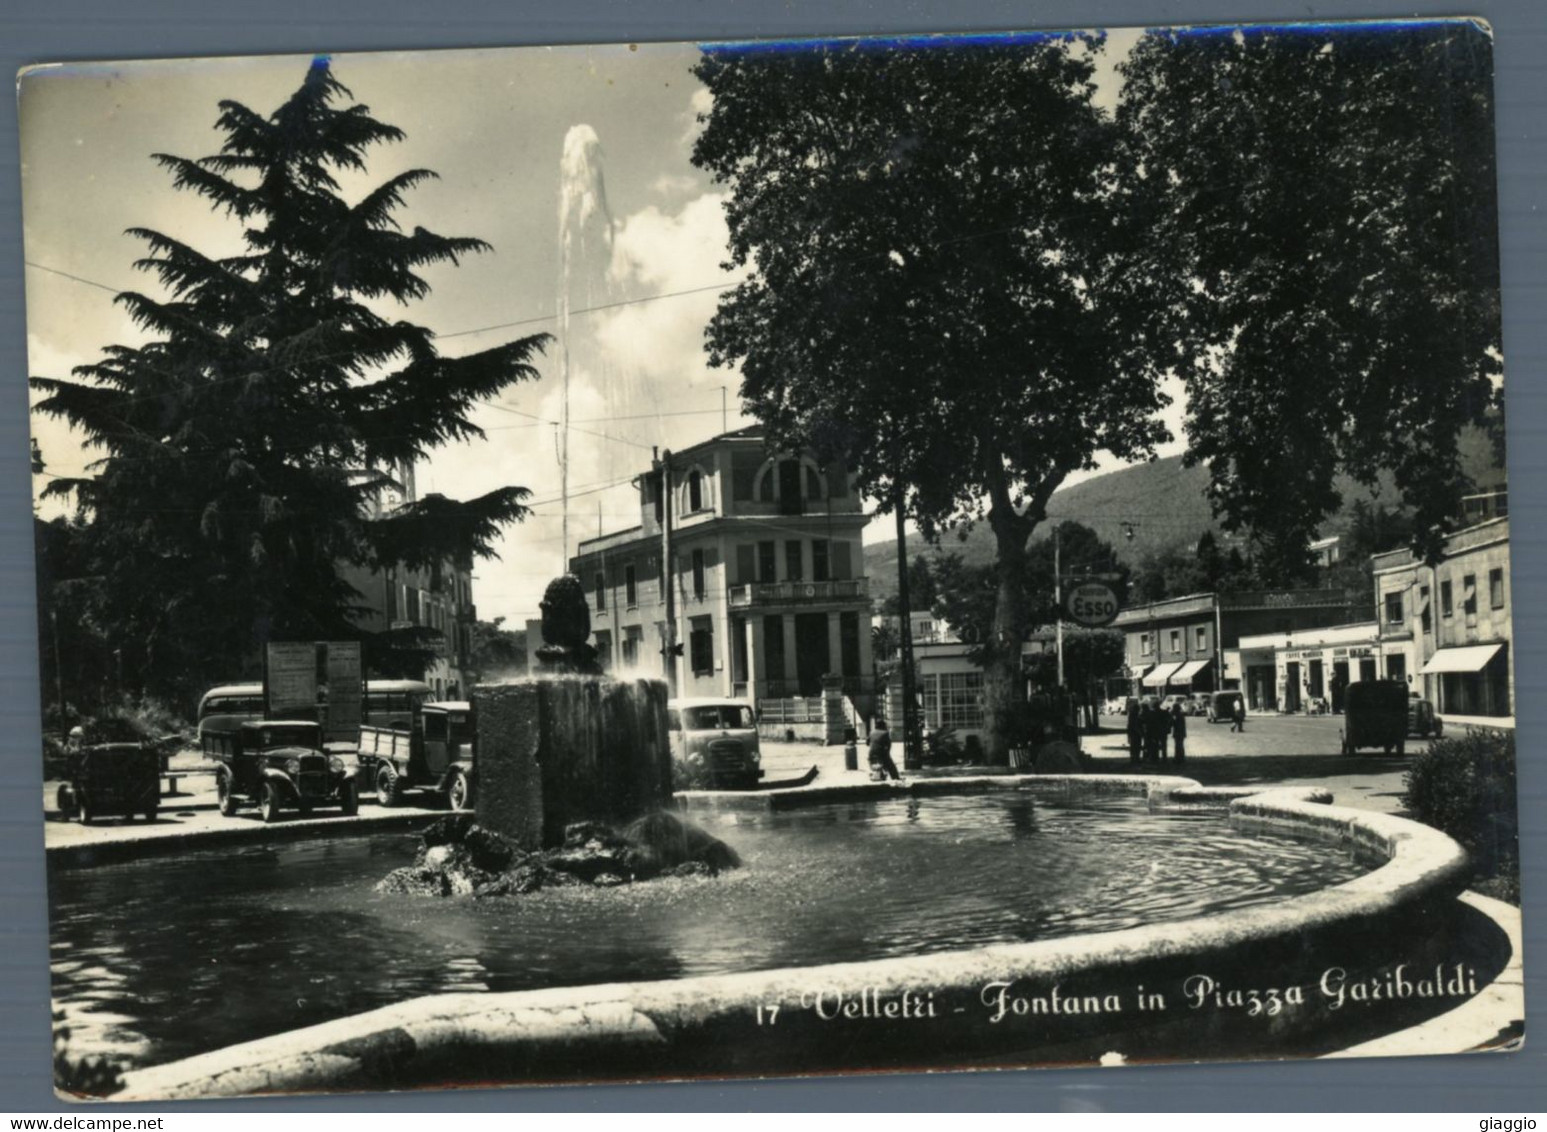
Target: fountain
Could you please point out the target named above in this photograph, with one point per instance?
(574, 773)
(569, 745)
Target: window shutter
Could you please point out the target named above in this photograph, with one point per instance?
(746, 563)
(841, 565)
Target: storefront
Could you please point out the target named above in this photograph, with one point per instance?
(1472, 679)
(1309, 670)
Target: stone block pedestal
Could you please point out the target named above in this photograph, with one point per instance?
(559, 749)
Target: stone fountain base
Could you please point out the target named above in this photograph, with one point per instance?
(458, 857)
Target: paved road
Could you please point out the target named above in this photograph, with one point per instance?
(1289, 750)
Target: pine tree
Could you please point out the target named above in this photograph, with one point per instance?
(248, 441)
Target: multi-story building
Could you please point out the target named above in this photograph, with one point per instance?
(1445, 627)
(768, 568)
(1191, 643)
(439, 599)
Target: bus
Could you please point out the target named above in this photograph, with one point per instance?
(388, 703)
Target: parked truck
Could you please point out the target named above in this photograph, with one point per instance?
(433, 752)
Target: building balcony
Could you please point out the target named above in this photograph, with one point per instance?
(798, 593)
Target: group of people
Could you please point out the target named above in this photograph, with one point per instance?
(1151, 727)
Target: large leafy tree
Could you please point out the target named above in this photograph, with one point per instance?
(936, 236)
(1329, 234)
(249, 441)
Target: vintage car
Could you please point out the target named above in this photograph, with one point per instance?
(434, 752)
(1375, 715)
(111, 780)
(1422, 720)
(718, 736)
(280, 765)
(1222, 706)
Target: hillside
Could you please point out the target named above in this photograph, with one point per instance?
(1164, 502)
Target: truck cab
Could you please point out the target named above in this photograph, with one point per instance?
(716, 738)
(433, 752)
(278, 764)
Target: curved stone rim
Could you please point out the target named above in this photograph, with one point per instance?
(1421, 864)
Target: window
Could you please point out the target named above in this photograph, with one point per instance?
(792, 561)
(1175, 640)
(1496, 588)
(1200, 638)
(1469, 595)
(631, 638)
(1394, 609)
(630, 587)
(813, 484)
(654, 494)
(819, 570)
(1146, 645)
(698, 574)
(766, 559)
(959, 701)
(601, 592)
(695, 491)
(701, 646)
(1424, 616)
(1447, 605)
(773, 646)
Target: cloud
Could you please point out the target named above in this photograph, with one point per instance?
(700, 103)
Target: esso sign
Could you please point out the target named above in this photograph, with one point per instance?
(1091, 604)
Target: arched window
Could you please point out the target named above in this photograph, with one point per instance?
(695, 491)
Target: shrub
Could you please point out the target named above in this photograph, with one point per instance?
(1465, 787)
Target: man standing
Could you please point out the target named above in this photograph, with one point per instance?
(1179, 732)
(880, 752)
(1238, 715)
(1135, 730)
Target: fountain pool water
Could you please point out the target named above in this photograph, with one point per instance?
(285, 936)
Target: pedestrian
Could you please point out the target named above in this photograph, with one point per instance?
(1135, 731)
(1161, 723)
(1238, 715)
(1179, 732)
(880, 751)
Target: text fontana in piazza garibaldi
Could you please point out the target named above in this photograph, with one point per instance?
(526, 813)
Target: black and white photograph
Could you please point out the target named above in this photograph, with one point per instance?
(774, 557)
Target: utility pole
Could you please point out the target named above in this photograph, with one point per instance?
(725, 417)
(912, 756)
(668, 590)
(1058, 599)
(53, 618)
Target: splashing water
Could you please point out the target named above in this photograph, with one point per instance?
(585, 252)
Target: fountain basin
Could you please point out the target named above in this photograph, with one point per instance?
(1402, 912)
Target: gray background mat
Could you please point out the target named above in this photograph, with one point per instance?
(54, 30)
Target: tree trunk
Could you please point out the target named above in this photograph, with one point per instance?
(1003, 692)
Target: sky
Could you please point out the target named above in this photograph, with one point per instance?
(530, 144)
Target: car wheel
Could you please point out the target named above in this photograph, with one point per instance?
(64, 799)
(388, 792)
(349, 798)
(268, 804)
(84, 804)
(1402, 749)
(150, 813)
(223, 794)
(458, 796)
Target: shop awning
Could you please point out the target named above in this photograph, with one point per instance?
(1157, 676)
(1472, 658)
(1185, 674)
